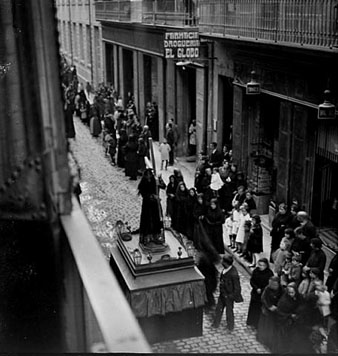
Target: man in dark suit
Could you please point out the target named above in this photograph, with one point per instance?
(230, 292)
(216, 157)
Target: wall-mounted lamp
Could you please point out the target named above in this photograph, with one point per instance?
(326, 110)
(253, 87)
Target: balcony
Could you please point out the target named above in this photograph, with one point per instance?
(96, 315)
(288, 22)
(180, 13)
(114, 10)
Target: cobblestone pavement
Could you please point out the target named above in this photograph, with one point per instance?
(107, 195)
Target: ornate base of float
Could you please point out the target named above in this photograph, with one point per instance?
(166, 292)
(155, 258)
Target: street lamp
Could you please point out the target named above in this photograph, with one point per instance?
(326, 110)
(253, 87)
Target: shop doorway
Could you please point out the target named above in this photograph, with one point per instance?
(189, 104)
(110, 60)
(150, 87)
(325, 193)
(225, 109)
(128, 74)
(325, 200)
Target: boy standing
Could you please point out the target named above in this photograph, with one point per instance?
(230, 292)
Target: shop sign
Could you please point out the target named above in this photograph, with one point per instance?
(181, 45)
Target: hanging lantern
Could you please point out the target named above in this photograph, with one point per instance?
(326, 110)
(137, 256)
(253, 87)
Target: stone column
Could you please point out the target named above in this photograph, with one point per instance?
(121, 70)
(160, 97)
(141, 87)
(136, 79)
(116, 66)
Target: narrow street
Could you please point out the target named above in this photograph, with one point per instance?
(107, 196)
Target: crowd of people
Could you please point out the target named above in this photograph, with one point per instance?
(291, 307)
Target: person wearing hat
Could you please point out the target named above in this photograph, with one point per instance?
(317, 257)
(305, 222)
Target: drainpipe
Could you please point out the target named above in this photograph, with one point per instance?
(70, 32)
(91, 44)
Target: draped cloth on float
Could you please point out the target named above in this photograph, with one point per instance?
(167, 299)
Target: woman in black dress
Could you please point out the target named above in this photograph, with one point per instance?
(122, 141)
(267, 321)
(141, 153)
(286, 315)
(131, 158)
(259, 280)
(189, 210)
(171, 191)
(198, 214)
(281, 221)
(179, 221)
(255, 242)
(214, 220)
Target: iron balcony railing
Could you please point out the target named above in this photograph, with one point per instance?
(96, 314)
(298, 22)
(113, 10)
(178, 13)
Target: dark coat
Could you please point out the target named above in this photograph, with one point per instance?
(151, 222)
(255, 242)
(259, 280)
(216, 159)
(285, 308)
(141, 153)
(302, 247)
(214, 219)
(171, 190)
(317, 259)
(266, 331)
(122, 141)
(131, 159)
(170, 137)
(179, 219)
(199, 211)
(309, 230)
(230, 286)
(207, 267)
(279, 224)
(189, 211)
(308, 315)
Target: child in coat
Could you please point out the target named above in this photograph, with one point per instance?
(110, 147)
(279, 256)
(164, 150)
(286, 270)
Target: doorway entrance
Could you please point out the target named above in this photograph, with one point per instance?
(225, 109)
(128, 73)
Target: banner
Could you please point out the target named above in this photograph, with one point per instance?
(181, 45)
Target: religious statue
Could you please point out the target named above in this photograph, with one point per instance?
(151, 223)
